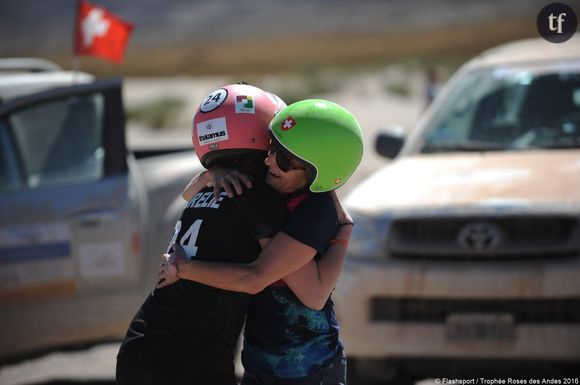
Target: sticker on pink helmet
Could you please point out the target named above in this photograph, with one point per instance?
(214, 100)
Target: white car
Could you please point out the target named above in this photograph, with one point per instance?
(466, 248)
(83, 222)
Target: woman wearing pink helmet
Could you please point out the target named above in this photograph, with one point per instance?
(198, 323)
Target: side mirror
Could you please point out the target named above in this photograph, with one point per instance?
(389, 141)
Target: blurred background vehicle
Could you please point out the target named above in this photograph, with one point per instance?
(466, 251)
(84, 220)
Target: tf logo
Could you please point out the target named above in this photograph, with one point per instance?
(557, 22)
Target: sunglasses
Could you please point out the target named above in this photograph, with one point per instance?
(286, 162)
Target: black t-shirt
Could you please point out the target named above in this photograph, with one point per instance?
(313, 222)
(283, 337)
(226, 230)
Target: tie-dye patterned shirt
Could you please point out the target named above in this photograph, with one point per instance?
(283, 337)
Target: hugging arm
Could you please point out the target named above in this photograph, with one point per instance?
(311, 281)
(314, 282)
(226, 179)
(281, 256)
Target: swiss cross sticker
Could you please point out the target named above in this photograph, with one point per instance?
(287, 123)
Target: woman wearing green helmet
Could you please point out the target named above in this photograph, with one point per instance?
(316, 145)
(322, 135)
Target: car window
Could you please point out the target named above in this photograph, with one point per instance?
(10, 177)
(502, 109)
(60, 142)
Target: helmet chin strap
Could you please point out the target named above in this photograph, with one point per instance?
(295, 193)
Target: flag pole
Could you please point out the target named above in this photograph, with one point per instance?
(75, 59)
(75, 68)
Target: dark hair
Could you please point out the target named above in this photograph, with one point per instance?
(310, 173)
(249, 162)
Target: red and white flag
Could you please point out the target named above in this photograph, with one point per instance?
(99, 32)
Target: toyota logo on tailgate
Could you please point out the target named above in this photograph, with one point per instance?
(479, 236)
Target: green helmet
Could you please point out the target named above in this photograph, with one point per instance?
(324, 135)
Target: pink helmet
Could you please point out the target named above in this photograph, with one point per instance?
(232, 121)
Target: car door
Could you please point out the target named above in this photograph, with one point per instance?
(67, 222)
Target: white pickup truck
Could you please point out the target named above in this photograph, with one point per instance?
(83, 222)
(465, 257)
